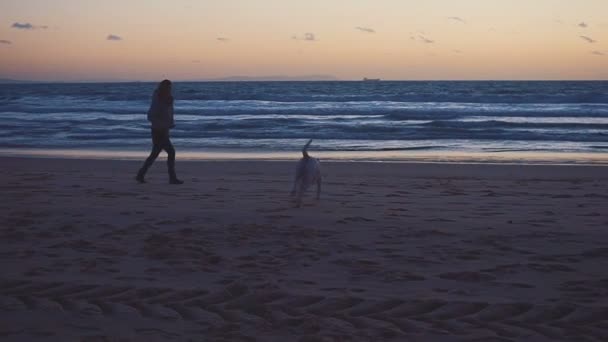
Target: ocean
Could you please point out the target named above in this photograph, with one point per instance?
(403, 118)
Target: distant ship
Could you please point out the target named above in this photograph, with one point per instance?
(371, 79)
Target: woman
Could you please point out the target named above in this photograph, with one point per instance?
(160, 116)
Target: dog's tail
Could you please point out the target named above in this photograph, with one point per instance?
(305, 149)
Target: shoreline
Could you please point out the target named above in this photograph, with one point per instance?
(194, 170)
(431, 157)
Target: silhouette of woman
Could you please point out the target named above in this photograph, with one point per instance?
(160, 116)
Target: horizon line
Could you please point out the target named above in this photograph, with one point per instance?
(221, 80)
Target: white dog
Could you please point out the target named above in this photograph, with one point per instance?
(308, 172)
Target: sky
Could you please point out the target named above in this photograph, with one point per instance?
(87, 40)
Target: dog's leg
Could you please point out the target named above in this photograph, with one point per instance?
(319, 188)
(293, 189)
(300, 168)
(296, 181)
(299, 193)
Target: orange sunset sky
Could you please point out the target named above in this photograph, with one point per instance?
(74, 40)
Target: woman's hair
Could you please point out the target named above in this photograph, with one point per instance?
(164, 89)
(164, 85)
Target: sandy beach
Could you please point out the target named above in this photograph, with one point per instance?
(391, 252)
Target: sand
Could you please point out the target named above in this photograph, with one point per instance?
(391, 252)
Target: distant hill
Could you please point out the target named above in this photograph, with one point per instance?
(11, 81)
(274, 78)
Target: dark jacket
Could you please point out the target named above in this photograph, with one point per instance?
(160, 113)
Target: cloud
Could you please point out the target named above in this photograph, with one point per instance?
(365, 29)
(598, 53)
(307, 37)
(113, 37)
(222, 39)
(4, 41)
(28, 26)
(583, 25)
(424, 39)
(420, 36)
(589, 40)
(458, 19)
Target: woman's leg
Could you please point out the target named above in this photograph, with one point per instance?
(156, 148)
(170, 159)
(149, 161)
(168, 147)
